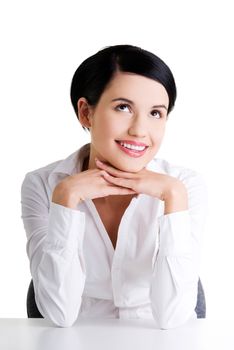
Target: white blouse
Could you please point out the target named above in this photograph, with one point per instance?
(152, 273)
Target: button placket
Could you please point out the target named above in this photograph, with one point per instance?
(119, 254)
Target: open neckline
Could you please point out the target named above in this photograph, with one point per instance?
(102, 229)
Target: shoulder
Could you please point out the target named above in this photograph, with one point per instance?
(45, 170)
(185, 174)
(50, 174)
(63, 167)
(38, 179)
(194, 181)
(69, 165)
(35, 184)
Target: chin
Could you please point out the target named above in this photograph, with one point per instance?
(130, 169)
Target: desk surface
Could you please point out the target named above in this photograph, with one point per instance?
(113, 334)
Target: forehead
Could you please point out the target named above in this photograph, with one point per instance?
(137, 88)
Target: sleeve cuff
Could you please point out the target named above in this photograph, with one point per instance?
(175, 233)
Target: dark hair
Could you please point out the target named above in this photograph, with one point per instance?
(94, 74)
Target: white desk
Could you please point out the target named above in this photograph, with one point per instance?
(114, 334)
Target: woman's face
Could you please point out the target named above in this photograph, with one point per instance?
(142, 120)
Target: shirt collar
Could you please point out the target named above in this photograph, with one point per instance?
(69, 166)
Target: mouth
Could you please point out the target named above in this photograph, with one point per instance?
(132, 149)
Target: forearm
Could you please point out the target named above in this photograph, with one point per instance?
(173, 292)
(60, 276)
(175, 274)
(175, 199)
(177, 263)
(58, 287)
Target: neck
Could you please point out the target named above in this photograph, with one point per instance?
(85, 164)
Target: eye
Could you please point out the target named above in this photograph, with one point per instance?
(121, 105)
(159, 113)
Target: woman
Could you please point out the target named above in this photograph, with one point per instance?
(114, 231)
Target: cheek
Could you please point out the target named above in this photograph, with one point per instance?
(161, 131)
(161, 134)
(110, 128)
(100, 126)
(157, 137)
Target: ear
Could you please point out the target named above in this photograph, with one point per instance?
(84, 112)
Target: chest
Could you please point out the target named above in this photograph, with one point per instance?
(111, 219)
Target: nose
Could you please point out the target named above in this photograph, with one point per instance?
(138, 127)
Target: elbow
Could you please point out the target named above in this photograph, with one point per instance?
(169, 320)
(67, 316)
(167, 323)
(63, 317)
(64, 322)
(163, 322)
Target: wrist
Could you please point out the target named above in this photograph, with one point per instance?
(175, 199)
(175, 188)
(65, 198)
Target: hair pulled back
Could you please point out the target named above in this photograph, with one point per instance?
(95, 73)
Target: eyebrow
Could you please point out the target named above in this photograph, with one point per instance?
(131, 102)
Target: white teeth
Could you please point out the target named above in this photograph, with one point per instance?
(137, 148)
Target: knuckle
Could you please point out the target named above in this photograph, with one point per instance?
(138, 181)
(121, 183)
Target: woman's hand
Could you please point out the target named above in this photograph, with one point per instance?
(145, 181)
(88, 184)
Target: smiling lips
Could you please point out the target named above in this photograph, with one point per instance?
(135, 143)
(132, 148)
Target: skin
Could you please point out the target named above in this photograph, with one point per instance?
(119, 120)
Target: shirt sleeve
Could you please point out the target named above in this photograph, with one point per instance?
(176, 266)
(54, 247)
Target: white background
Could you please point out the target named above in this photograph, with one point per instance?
(42, 44)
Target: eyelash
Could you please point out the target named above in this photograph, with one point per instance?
(124, 104)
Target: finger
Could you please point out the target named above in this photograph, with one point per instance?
(113, 171)
(122, 191)
(102, 173)
(115, 190)
(127, 183)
